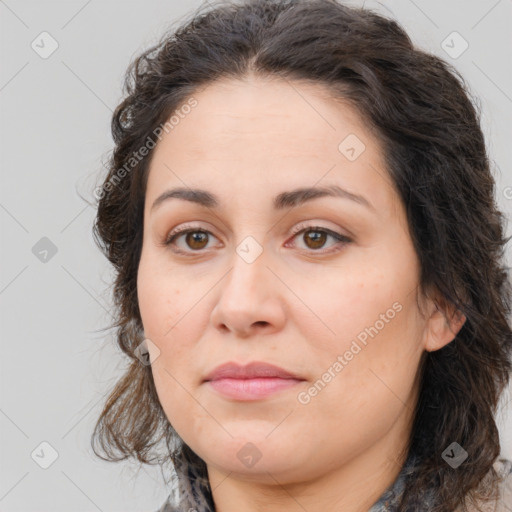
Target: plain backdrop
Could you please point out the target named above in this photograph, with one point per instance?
(61, 69)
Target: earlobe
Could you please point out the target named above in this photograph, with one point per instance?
(443, 325)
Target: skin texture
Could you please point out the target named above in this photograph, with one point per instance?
(298, 305)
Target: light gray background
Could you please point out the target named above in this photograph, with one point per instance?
(56, 364)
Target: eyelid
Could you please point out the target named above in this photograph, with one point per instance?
(182, 230)
(301, 227)
(308, 226)
(312, 226)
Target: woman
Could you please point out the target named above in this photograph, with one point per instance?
(309, 279)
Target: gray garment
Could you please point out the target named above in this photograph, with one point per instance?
(387, 502)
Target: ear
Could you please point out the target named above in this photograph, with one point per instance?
(443, 323)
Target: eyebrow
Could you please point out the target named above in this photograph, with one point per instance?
(283, 200)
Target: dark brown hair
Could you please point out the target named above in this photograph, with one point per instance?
(421, 110)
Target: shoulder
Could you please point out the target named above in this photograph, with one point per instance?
(167, 506)
(503, 468)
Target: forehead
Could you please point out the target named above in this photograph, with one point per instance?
(245, 133)
(276, 113)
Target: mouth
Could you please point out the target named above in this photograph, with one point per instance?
(251, 389)
(254, 381)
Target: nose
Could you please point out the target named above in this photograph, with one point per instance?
(250, 299)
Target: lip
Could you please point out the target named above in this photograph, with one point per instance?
(253, 381)
(255, 369)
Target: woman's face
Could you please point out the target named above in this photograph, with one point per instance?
(339, 314)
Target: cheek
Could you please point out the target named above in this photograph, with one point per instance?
(166, 317)
(346, 306)
(160, 294)
(369, 372)
(172, 320)
(367, 355)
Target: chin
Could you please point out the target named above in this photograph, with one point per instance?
(248, 455)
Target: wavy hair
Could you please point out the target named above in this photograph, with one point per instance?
(422, 111)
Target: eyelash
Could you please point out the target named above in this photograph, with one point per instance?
(301, 228)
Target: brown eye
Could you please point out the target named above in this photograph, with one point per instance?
(196, 239)
(315, 239)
